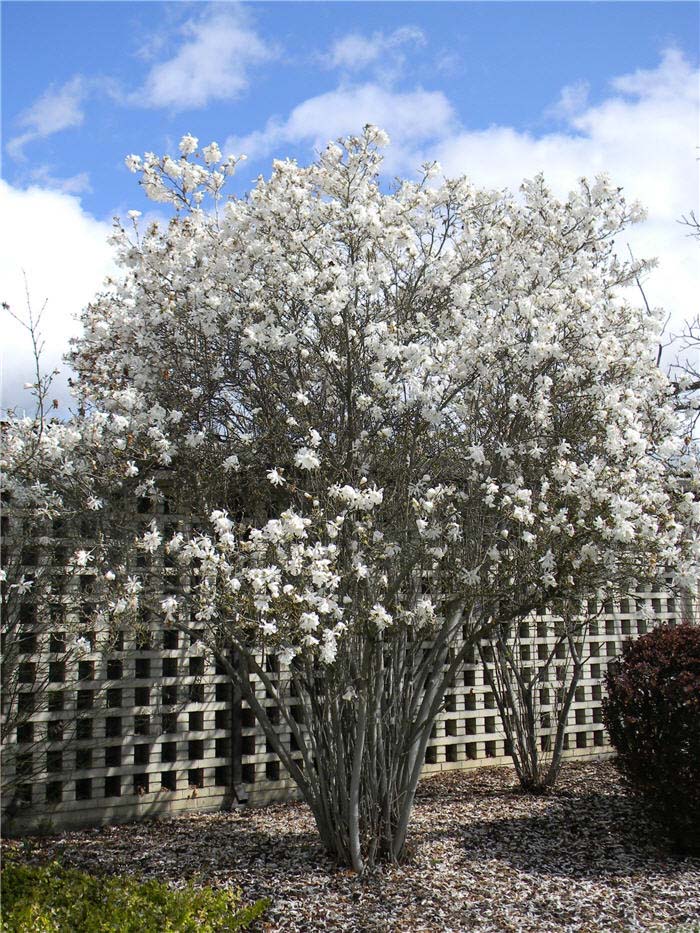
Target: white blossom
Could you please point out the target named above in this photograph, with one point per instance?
(275, 477)
(307, 459)
(188, 144)
(231, 463)
(82, 558)
(380, 617)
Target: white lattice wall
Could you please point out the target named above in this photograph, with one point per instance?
(154, 728)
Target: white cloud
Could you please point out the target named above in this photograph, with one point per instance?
(644, 135)
(64, 253)
(42, 177)
(57, 109)
(411, 119)
(211, 64)
(354, 51)
(573, 98)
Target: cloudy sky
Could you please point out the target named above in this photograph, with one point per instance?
(497, 91)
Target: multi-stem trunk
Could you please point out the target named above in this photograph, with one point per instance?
(361, 727)
(536, 753)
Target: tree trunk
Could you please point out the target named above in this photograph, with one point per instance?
(367, 720)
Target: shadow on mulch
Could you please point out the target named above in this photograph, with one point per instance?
(594, 837)
(182, 849)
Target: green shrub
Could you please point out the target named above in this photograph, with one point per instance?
(652, 713)
(53, 899)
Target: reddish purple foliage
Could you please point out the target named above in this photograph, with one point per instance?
(652, 714)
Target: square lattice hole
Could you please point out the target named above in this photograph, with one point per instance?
(113, 786)
(168, 780)
(84, 729)
(168, 695)
(142, 724)
(83, 789)
(142, 696)
(195, 777)
(168, 751)
(113, 756)
(169, 723)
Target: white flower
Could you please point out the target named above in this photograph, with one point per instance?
(211, 153)
(380, 617)
(94, 504)
(275, 477)
(547, 561)
(134, 215)
(302, 398)
(24, 585)
(188, 144)
(195, 439)
(231, 463)
(131, 468)
(523, 514)
(307, 459)
(169, 607)
(308, 621)
(329, 648)
(83, 558)
(287, 655)
(221, 522)
(151, 540)
(82, 645)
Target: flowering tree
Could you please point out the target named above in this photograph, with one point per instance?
(58, 481)
(46, 498)
(684, 371)
(408, 415)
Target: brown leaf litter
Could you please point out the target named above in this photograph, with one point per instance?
(483, 857)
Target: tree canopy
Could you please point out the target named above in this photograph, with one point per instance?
(397, 415)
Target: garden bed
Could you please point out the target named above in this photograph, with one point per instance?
(483, 856)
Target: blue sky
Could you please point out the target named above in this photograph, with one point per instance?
(495, 90)
(497, 63)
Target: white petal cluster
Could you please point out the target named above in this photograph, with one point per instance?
(436, 390)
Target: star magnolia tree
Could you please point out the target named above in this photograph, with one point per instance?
(60, 539)
(409, 415)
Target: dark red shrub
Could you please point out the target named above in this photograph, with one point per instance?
(652, 714)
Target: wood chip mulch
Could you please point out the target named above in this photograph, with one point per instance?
(483, 857)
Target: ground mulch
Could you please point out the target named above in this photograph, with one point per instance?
(483, 857)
